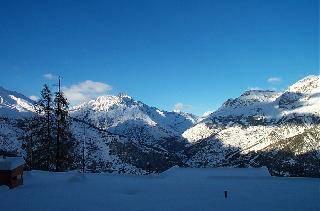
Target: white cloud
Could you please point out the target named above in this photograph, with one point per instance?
(182, 107)
(34, 98)
(274, 80)
(50, 76)
(85, 90)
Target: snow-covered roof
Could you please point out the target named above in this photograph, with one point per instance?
(10, 163)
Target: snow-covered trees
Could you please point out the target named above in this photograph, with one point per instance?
(38, 138)
(48, 141)
(64, 142)
(45, 107)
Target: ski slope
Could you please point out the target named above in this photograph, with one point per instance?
(176, 189)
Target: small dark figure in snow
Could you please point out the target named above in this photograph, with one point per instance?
(148, 168)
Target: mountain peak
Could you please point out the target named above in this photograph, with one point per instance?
(307, 85)
(101, 103)
(300, 98)
(257, 92)
(124, 95)
(257, 95)
(14, 104)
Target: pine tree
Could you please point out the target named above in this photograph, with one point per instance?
(65, 143)
(38, 137)
(29, 142)
(47, 109)
(48, 141)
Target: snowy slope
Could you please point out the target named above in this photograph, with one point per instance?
(123, 115)
(257, 107)
(14, 107)
(98, 155)
(126, 135)
(255, 121)
(149, 136)
(143, 132)
(9, 136)
(14, 104)
(264, 106)
(177, 189)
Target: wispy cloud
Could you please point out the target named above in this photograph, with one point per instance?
(85, 90)
(50, 77)
(254, 88)
(274, 80)
(182, 107)
(33, 97)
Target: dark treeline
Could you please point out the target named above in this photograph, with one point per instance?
(48, 141)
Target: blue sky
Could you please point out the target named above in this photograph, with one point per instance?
(195, 53)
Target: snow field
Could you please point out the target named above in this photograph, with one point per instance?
(186, 189)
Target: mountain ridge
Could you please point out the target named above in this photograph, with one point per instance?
(128, 136)
(255, 121)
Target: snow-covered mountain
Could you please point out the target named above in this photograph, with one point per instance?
(277, 129)
(258, 122)
(121, 134)
(14, 104)
(13, 108)
(150, 136)
(15, 111)
(123, 115)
